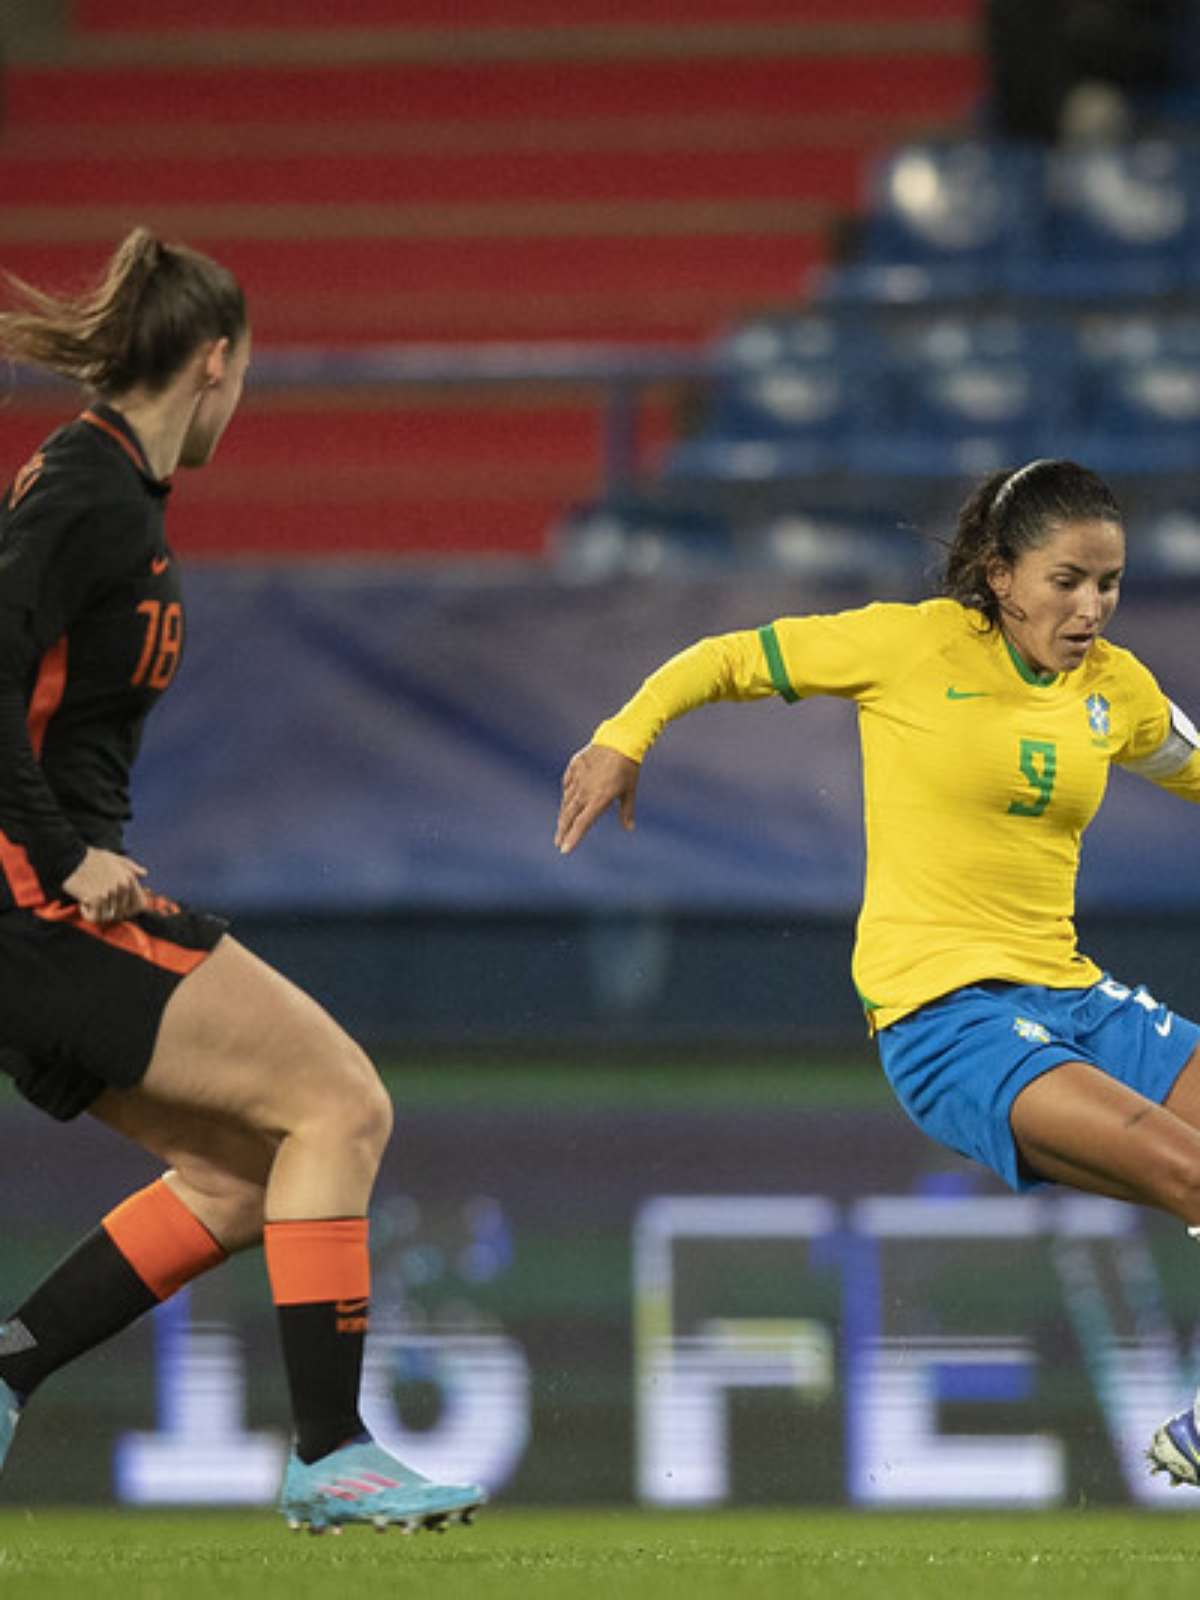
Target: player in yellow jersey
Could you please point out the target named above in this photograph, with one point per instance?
(989, 719)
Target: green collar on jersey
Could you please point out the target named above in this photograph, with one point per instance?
(1041, 680)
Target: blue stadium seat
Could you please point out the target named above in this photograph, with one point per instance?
(632, 538)
(1151, 333)
(1146, 417)
(965, 204)
(1119, 220)
(1164, 546)
(790, 419)
(872, 550)
(961, 418)
(888, 285)
(948, 337)
(804, 337)
(625, 538)
(1106, 343)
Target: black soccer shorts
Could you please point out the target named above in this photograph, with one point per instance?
(81, 1003)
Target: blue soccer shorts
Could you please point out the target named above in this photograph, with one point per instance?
(958, 1063)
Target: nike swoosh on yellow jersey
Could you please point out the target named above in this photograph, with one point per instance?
(967, 694)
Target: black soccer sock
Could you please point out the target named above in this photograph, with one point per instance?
(320, 1280)
(88, 1297)
(143, 1251)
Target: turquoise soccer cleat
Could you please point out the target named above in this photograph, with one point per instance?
(361, 1483)
(10, 1415)
(1175, 1449)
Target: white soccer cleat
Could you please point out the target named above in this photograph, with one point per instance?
(1175, 1449)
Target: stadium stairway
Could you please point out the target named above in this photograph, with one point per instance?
(382, 171)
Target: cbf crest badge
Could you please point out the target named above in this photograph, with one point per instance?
(1098, 717)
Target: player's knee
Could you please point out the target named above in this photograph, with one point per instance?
(356, 1105)
(376, 1113)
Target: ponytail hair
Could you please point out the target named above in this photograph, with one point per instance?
(152, 306)
(1014, 511)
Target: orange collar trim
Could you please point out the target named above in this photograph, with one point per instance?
(127, 444)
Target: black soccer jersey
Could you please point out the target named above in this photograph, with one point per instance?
(91, 632)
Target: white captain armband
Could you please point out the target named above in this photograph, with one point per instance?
(1174, 753)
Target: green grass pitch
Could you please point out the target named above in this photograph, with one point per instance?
(625, 1555)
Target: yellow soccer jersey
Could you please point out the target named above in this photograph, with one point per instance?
(979, 779)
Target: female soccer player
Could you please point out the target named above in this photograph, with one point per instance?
(989, 719)
(114, 1000)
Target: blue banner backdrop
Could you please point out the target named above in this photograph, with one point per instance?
(356, 739)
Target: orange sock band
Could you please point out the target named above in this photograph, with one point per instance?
(309, 1263)
(161, 1240)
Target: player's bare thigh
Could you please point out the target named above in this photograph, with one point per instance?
(239, 1040)
(205, 1144)
(1075, 1125)
(1184, 1098)
(244, 1059)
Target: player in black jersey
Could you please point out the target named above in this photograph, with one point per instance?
(270, 1120)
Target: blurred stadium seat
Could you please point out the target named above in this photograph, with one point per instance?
(984, 221)
(866, 285)
(630, 538)
(949, 335)
(790, 418)
(954, 205)
(1150, 333)
(1136, 374)
(1007, 302)
(799, 336)
(872, 551)
(1164, 546)
(1146, 417)
(1118, 222)
(968, 417)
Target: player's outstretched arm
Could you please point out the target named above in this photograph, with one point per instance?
(594, 779)
(729, 666)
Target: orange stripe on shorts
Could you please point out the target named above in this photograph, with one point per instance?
(128, 936)
(310, 1263)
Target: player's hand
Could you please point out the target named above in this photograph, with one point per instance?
(107, 886)
(595, 777)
